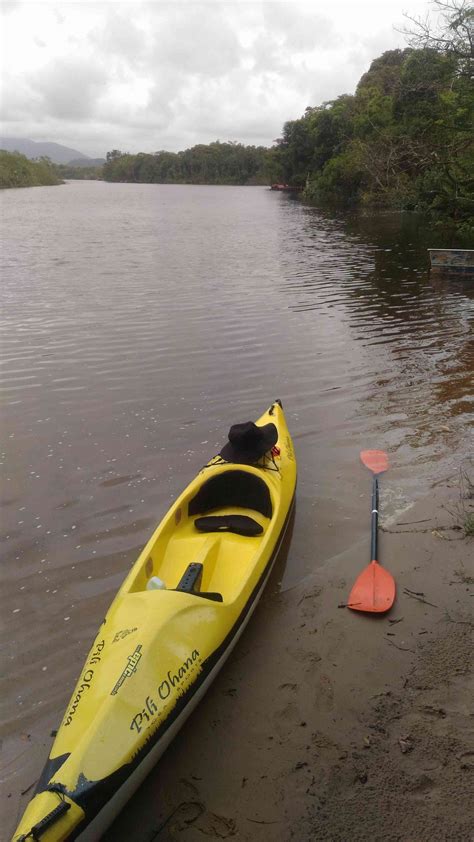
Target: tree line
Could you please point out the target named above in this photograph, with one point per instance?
(213, 163)
(17, 170)
(92, 172)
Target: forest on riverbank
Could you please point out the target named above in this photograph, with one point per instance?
(17, 170)
(402, 141)
(213, 163)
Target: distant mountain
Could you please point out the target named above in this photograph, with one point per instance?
(86, 162)
(55, 151)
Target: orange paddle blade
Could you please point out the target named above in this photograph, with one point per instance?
(375, 460)
(373, 590)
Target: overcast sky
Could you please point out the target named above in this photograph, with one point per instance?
(167, 75)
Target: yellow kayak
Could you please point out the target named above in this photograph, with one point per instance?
(171, 626)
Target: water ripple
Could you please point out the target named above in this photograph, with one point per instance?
(140, 321)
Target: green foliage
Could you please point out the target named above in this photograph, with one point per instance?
(93, 173)
(384, 73)
(340, 179)
(214, 163)
(468, 525)
(18, 171)
(403, 141)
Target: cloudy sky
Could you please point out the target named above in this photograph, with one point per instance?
(144, 76)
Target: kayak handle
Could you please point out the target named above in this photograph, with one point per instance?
(41, 827)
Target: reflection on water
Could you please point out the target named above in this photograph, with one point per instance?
(138, 323)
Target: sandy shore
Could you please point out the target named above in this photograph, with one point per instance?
(330, 725)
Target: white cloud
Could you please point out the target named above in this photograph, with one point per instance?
(305, 31)
(147, 76)
(70, 89)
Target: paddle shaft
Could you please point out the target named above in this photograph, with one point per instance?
(374, 520)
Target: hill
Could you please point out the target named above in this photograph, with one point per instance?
(57, 153)
(86, 162)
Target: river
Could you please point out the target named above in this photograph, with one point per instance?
(138, 323)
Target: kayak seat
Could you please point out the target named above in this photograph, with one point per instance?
(240, 524)
(232, 488)
(190, 582)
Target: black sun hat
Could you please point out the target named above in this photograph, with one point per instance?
(248, 442)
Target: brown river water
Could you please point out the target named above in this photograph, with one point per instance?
(138, 323)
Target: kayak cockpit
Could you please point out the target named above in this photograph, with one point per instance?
(211, 539)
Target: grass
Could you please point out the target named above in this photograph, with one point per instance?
(468, 525)
(463, 511)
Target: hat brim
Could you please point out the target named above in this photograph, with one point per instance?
(231, 453)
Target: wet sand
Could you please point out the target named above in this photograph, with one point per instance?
(327, 724)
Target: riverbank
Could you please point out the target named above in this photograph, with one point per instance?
(17, 170)
(327, 725)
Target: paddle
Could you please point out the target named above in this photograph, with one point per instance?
(374, 588)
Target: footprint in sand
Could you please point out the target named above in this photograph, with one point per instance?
(284, 720)
(326, 691)
(194, 815)
(305, 656)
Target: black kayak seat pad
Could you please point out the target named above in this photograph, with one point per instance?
(232, 488)
(240, 524)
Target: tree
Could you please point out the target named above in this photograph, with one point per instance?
(452, 34)
(17, 170)
(114, 155)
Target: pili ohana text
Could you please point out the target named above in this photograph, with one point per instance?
(171, 681)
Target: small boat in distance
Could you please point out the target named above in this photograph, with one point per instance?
(452, 260)
(286, 188)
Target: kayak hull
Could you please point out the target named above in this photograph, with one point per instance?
(99, 825)
(158, 651)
